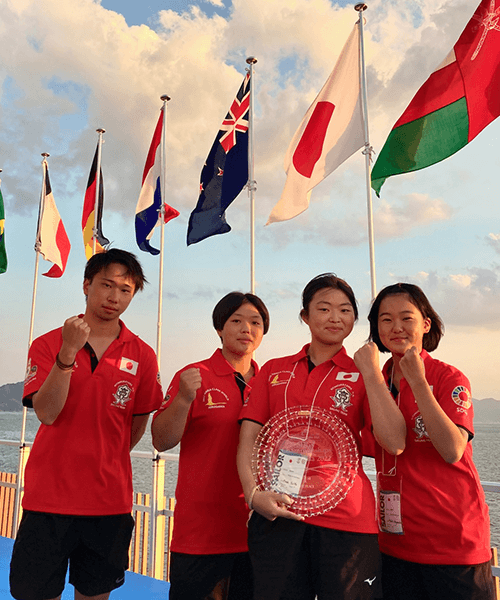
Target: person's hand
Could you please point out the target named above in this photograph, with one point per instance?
(367, 360)
(75, 334)
(272, 505)
(412, 366)
(189, 383)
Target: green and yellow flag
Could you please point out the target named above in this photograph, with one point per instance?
(3, 253)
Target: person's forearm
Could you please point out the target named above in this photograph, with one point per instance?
(389, 427)
(50, 399)
(248, 434)
(448, 439)
(168, 427)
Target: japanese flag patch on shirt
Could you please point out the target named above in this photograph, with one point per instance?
(342, 376)
(128, 365)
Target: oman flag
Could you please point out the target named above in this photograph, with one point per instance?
(455, 104)
(331, 131)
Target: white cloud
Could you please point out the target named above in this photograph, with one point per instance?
(117, 74)
(468, 300)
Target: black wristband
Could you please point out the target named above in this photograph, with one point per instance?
(63, 366)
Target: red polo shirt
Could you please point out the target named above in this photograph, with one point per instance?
(80, 465)
(210, 511)
(342, 393)
(444, 512)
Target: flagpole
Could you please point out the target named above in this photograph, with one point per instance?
(252, 184)
(22, 444)
(368, 151)
(161, 216)
(97, 188)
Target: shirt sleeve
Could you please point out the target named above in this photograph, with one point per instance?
(453, 393)
(172, 390)
(149, 394)
(41, 359)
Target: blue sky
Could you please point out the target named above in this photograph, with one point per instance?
(69, 68)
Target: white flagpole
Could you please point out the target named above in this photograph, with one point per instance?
(361, 7)
(161, 216)
(252, 184)
(22, 444)
(97, 186)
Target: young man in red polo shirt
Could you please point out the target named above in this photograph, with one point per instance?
(92, 384)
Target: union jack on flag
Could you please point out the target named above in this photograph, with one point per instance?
(225, 172)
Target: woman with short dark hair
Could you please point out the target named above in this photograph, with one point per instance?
(201, 410)
(433, 519)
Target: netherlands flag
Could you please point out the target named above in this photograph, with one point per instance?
(331, 131)
(52, 240)
(147, 212)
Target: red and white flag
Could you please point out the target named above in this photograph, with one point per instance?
(331, 131)
(53, 242)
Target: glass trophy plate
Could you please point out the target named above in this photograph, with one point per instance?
(311, 455)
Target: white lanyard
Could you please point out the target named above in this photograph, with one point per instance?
(294, 437)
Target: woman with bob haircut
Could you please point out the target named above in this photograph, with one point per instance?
(434, 531)
(201, 410)
(333, 555)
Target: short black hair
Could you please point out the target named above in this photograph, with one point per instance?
(417, 297)
(230, 304)
(327, 280)
(102, 260)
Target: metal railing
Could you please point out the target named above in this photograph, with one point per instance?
(143, 559)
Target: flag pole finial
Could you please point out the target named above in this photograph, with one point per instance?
(360, 7)
(165, 98)
(251, 60)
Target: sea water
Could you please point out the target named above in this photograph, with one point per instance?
(486, 450)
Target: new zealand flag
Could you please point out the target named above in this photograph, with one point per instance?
(225, 172)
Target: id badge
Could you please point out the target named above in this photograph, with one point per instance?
(289, 472)
(389, 490)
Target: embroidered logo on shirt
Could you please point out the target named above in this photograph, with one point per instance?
(214, 398)
(31, 372)
(280, 377)
(419, 428)
(461, 396)
(165, 400)
(342, 376)
(342, 397)
(123, 394)
(128, 365)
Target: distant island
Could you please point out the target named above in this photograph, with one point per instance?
(486, 411)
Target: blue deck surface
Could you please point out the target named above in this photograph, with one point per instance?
(135, 587)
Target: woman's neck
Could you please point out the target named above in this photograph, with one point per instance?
(396, 373)
(242, 364)
(319, 353)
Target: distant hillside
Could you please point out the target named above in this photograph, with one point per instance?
(486, 410)
(11, 397)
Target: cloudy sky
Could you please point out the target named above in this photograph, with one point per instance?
(69, 67)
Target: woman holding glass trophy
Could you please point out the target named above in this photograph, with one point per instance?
(312, 533)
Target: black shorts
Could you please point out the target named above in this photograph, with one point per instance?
(96, 548)
(194, 576)
(404, 580)
(293, 560)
